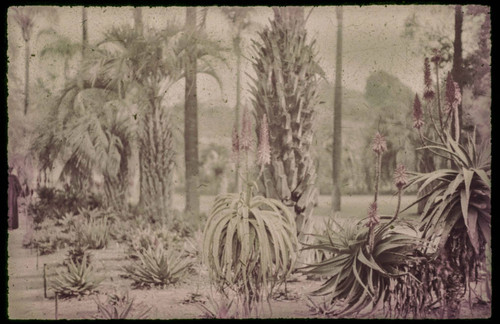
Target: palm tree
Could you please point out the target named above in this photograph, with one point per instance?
(285, 90)
(337, 119)
(25, 18)
(195, 51)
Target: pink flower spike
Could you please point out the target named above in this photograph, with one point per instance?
(400, 176)
(417, 113)
(264, 150)
(246, 139)
(379, 145)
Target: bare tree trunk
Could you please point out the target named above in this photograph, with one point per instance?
(191, 121)
(337, 120)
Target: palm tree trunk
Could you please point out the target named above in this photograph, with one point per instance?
(337, 119)
(26, 75)
(292, 174)
(156, 162)
(192, 207)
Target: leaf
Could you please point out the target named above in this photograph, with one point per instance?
(482, 174)
(472, 229)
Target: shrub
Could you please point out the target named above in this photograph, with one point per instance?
(157, 267)
(80, 279)
(55, 203)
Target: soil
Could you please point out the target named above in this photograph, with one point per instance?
(26, 289)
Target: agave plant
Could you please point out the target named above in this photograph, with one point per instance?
(358, 281)
(80, 279)
(157, 267)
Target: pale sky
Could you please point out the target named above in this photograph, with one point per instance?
(371, 40)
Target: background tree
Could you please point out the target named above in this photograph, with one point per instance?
(337, 120)
(285, 90)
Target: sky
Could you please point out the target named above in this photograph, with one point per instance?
(371, 40)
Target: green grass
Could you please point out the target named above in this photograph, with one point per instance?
(352, 207)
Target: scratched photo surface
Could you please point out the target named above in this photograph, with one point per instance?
(249, 162)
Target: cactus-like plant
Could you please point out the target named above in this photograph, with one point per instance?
(285, 91)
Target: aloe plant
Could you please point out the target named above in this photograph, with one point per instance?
(258, 248)
(358, 280)
(157, 267)
(457, 215)
(80, 279)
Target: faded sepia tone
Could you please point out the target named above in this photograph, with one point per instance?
(249, 162)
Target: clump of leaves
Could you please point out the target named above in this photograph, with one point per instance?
(120, 306)
(80, 279)
(157, 267)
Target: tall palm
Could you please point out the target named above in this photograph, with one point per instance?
(285, 90)
(144, 67)
(196, 49)
(191, 120)
(25, 17)
(337, 119)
